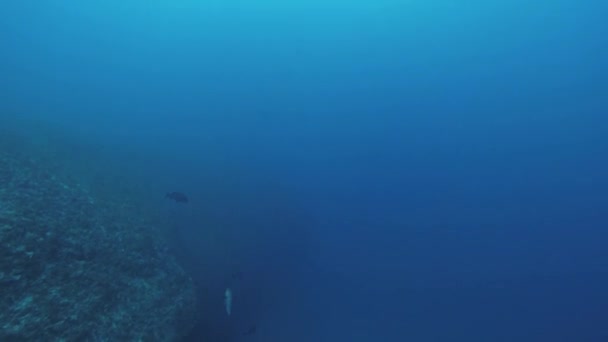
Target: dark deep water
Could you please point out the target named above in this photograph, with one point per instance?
(358, 171)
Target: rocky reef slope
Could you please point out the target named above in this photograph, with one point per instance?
(76, 263)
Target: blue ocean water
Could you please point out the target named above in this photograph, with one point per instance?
(358, 170)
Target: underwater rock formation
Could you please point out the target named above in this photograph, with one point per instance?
(75, 266)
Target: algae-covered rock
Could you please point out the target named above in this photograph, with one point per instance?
(78, 267)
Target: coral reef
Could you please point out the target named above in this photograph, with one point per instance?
(76, 265)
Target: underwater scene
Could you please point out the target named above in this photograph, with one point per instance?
(304, 171)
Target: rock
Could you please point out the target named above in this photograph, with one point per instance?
(75, 266)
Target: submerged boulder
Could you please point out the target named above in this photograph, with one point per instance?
(78, 267)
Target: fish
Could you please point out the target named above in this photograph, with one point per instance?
(228, 301)
(177, 197)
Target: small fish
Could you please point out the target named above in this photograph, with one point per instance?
(177, 197)
(228, 301)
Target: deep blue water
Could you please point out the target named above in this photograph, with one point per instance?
(372, 170)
